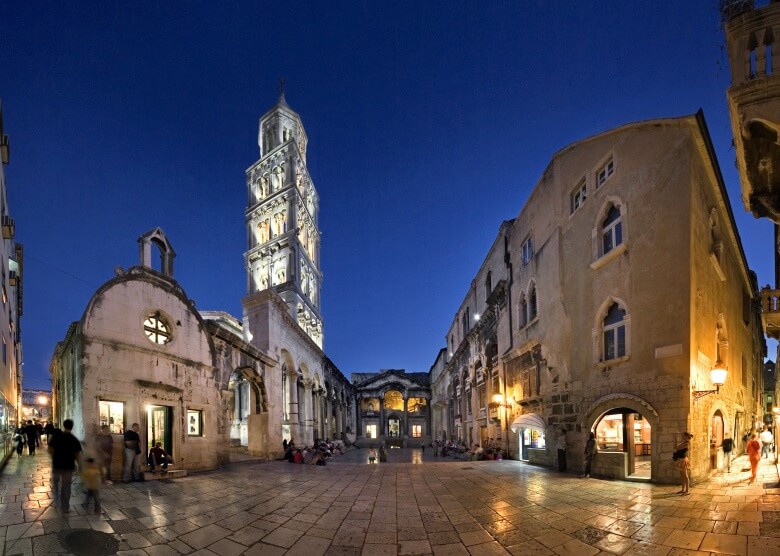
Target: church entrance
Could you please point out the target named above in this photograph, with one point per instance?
(159, 419)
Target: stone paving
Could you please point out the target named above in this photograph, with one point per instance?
(414, 504)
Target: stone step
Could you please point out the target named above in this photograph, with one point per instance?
(170, 474)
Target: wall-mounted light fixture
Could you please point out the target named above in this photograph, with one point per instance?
(718, 377)
(498, 400)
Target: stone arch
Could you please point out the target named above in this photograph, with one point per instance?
(157, 238)
(619, 399)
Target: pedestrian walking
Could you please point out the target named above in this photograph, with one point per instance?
(560, 445)
(105, 447)
(18, 441)
(132, 466)
(590, 453)
(682, 461)
(766, 441)
(49, 431)
(65, 450)
(31, 432)
(754, 454)
(728, 447)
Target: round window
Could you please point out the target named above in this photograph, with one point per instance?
(157, 330)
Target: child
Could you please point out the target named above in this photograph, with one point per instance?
(92, 476)
(371, 455)
(18, 440)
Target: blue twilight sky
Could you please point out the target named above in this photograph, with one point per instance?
(428, 124)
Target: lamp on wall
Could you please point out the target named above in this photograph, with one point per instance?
(498, 400)
(718, 377)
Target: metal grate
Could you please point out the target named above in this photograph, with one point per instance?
(86, 542)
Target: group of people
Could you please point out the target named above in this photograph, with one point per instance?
(315, 455)
(67, 455)
(373, 455)
(31, 435)
(757, 445)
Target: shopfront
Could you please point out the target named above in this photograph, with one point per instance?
(530, 429)
(624, 430)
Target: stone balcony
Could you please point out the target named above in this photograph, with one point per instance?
(770, 312)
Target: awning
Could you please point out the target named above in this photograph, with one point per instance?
(528, 421)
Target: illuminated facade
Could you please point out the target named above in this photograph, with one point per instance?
(11, 256)
(754, 107)
(393, 407)
(604, 305)
(281, 218)
(205, 383)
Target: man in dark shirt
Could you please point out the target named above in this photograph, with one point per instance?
(132, 468)
(158, 456)
(31, 431)
(65, 450)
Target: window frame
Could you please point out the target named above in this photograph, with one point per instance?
(605, 171)
(191, 411)
(610, 333)
(533, 302)
(613, 229)
(158, 326)
(527, 251)
(578, 196)
(417, 431)
(109, 403)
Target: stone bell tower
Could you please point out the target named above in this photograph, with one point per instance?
(282, 220)
(753, 43)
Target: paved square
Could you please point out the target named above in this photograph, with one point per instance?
(414, 504)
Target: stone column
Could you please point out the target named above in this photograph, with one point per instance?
(329, 417)
(309, 416)
(321, 428)
(428, 420)
(381, 417)
(405, 426)
(358, 419)
(292, 379)
(339, 428)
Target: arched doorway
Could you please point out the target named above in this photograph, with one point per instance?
(716, 439)
(249, 398)
(624, 430)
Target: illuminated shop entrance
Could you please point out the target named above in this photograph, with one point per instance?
(531, 442)
(530, 439)
(624, 430)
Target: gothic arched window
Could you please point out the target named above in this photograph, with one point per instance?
(532, 306)
(614, 331)
(611, 230)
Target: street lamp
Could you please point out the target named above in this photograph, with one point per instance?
(718, 376)
(43, 400)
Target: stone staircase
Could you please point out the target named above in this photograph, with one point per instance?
(169, 474)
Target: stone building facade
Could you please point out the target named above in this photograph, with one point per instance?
(393, 407)
(11, 273)
(754, 107)
(604, 305)
(206, 383)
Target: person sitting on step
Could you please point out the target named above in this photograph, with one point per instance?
(158, 456)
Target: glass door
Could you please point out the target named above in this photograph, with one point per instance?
(158, 427)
